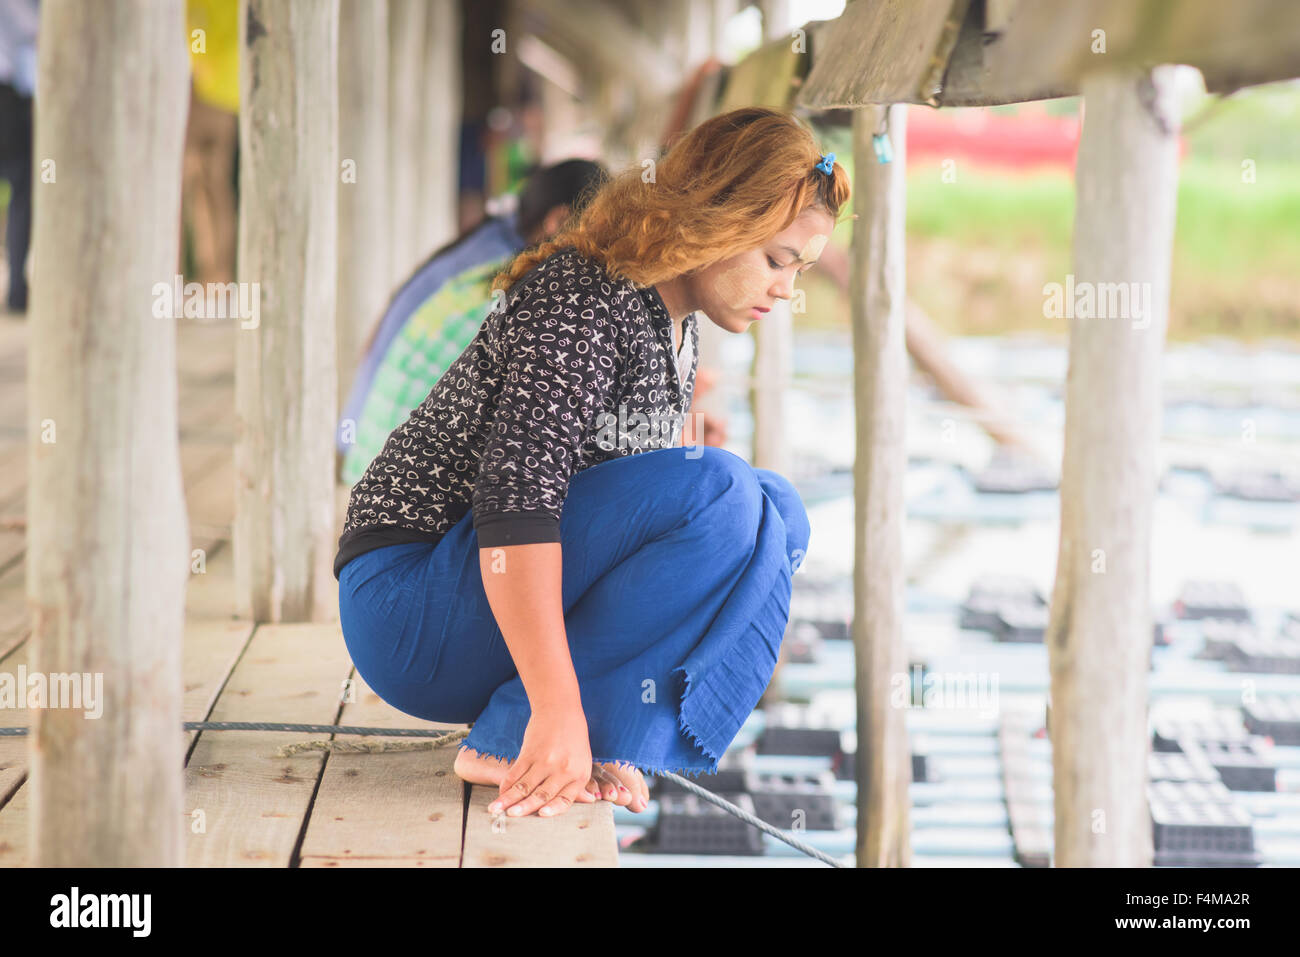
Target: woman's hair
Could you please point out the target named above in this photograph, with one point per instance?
(568, 183)
(728, 185)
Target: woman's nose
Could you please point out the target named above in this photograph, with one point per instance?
(783, 287)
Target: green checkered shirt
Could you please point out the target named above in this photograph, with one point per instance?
(437, 333)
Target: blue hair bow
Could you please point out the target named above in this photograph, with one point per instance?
(827, 163)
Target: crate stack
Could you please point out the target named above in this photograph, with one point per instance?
(1008, 607)
(800, 801)
(1231, 634)
(1276, 718)
(1194, 767)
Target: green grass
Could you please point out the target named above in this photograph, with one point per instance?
(1223, 225)
(981, 248)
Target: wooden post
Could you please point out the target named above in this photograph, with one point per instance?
(108, 537)
(406, 73)
(1099, 636)
(363, 266)
(773, 363)
(878, 297)
(438, 180)
(285, 372)
(685, 29)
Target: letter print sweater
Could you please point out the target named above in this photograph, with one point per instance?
(571, 368)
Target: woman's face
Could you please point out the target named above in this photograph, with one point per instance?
(737, 291)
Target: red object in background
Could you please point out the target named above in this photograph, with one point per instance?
(1028, 138)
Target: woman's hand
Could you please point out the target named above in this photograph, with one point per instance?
(553, 767)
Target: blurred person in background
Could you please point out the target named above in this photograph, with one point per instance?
(438, 311)
(211, 135)
(544, 202)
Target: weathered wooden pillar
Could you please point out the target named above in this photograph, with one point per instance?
(686, 30)
(1099, 635)
(363, 267)
(108, 536)
(406, 82)
(285, 358)
(438, 180)
(878, 297)
(773, 363)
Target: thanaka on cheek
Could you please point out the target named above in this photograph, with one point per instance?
(739, 286)
(813, 248)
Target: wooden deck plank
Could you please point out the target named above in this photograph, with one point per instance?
(15, 623)
(13, 750)
(211, 651)
(405, 806)
(13, 775)
(15, 848)
(581, 837)
(254, 802)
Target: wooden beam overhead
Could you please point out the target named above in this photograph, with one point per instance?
(884, 51)
(1235, 44)
(602, 42)
(936, 52)
(972, 53)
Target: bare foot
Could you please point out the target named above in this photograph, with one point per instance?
(481, 769)
(635, 794)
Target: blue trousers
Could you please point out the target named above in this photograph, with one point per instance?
(676, 582)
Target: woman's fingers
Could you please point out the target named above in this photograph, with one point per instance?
(542, 794)
(562, 801)
(515, 786)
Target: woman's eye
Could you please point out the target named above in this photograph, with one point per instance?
(773, 263)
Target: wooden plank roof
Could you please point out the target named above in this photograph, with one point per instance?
(988, 52)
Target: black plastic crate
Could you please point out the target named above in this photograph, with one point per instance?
(1274, 717)
(1190, 829)
(1221, 636)
(830, 629)
(791, 730)
(1240, 764)
(990, 593)
(1261, 654)
(1211, 599)
(728, 779)
(1183, 822)
(1010, 473)
(1168, 734)
(1258, 485)
(843, 766)
(923, 767)
(1158, 634)
(784, 800)
(1022, 623)
(1182, 767)
(689, 825)
(827, 604)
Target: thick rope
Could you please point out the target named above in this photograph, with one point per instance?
(443, 738)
